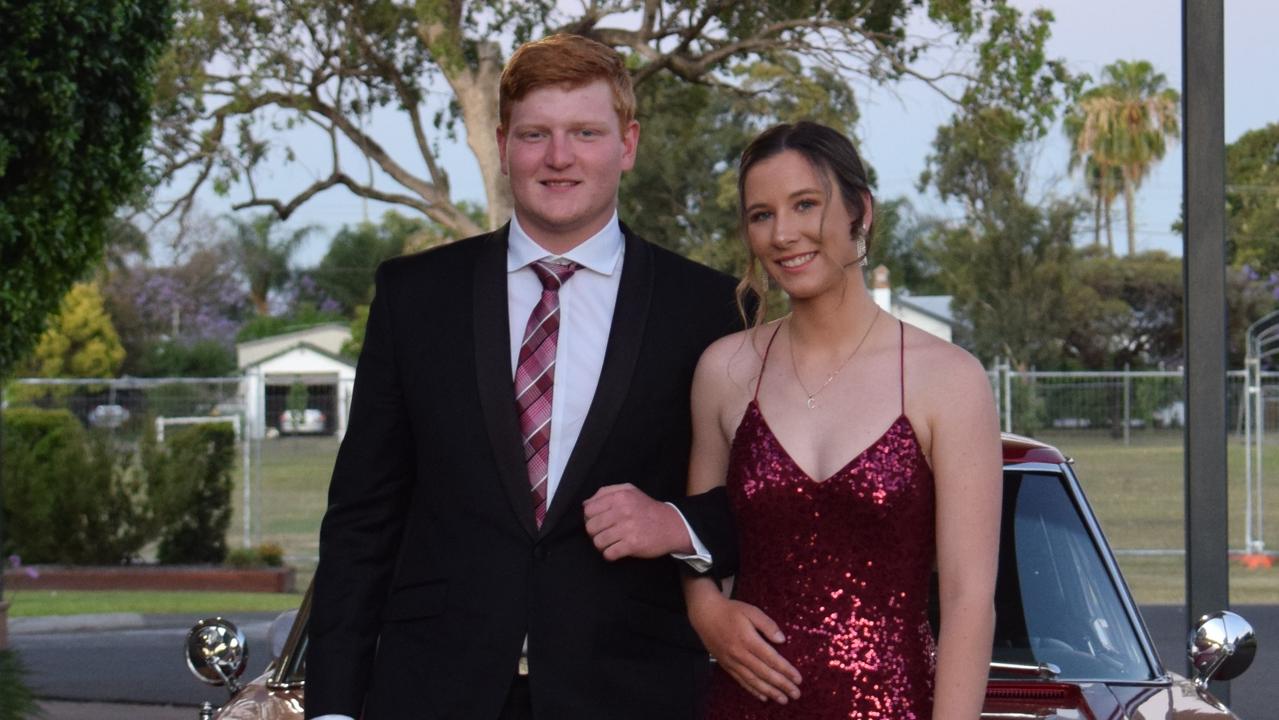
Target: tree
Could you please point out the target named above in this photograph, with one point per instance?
(1125, 124)
(1252, 198)
(1008, 263)
(241, 75)
(181, 319)
(262, 255)
(345, 273)
(76, 80)
(80, 342)
(1135, 318)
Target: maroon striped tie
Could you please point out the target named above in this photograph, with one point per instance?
(535, 376)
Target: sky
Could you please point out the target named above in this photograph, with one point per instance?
(898, 123)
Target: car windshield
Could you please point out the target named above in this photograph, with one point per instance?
(1056, 600)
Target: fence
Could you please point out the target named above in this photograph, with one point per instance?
(1124, 430)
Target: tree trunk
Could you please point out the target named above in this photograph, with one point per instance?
(476, 90)
(1096, 220)
(1132, 215)
(1110, 235)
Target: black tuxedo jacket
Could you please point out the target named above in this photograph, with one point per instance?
(432, 570)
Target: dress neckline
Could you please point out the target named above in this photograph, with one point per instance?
(901, 418)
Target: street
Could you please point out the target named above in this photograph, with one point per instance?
(145, 665)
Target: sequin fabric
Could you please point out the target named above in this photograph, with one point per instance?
(843, 566)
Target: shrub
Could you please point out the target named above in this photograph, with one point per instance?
(264, 555)
(67, 497)
(16, 701)
(189, 481)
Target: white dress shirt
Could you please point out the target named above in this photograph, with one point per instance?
(587, 300)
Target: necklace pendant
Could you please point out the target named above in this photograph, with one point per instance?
(812, 402)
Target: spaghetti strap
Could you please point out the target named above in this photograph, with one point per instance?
(764, 361)
(901, 364)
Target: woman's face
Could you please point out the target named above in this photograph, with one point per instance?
(800, 231)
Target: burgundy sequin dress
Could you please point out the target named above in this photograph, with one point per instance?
(843, 566)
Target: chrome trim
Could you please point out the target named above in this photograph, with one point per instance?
(1043, 670)
(287, 663)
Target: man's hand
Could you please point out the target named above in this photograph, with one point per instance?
(624, 522)
(739, 636)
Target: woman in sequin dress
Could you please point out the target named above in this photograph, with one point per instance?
(829, 613)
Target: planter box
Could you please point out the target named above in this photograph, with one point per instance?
(152, 577)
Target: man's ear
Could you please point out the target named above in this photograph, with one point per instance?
(501, 149)
(630, 144)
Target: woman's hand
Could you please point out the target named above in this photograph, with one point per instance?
(741, 638)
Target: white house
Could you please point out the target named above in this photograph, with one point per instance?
(273, 365)
(927, 312)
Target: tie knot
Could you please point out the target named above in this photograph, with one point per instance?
(553, 274)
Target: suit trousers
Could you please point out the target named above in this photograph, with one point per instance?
(519, 704)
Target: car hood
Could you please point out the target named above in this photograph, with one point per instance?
(257, 702)
(1176, 699)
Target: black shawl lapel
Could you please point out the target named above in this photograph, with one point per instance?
(630, 316)
(493, 373)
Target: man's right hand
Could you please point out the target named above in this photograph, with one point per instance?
(741, 637)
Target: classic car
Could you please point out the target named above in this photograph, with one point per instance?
(1069, 641)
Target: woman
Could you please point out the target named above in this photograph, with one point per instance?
(836, 554)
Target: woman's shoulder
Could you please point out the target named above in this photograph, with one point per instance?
(939, 367)
(736, 359)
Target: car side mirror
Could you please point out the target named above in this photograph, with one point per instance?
(1222, 646)
(217, 653)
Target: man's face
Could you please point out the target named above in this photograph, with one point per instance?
(565, 151)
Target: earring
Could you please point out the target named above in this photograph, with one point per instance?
(861, 248)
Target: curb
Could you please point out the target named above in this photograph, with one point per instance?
(75, 623)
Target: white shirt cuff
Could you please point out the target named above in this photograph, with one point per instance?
(700, 559)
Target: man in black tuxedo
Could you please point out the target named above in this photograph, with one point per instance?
(504, 381)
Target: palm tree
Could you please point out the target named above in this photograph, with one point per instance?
(263, 255)
(1124, 125)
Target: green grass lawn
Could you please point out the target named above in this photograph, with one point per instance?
(29, 603)
(1136, 491)
(1138, 494)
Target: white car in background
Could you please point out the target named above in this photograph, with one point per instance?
(308, 421)
(108, 416)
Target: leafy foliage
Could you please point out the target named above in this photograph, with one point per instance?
(345, 273)
(189, 481)
(69, 497)
(236, 86)
(16, 700)
(75, 93)
(80, 342)
(178, 320)
(1252, 198)
(1122, 127)
(263, 255)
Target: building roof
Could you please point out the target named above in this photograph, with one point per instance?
(301, 345)
(935, 306)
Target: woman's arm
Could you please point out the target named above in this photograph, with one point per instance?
(967, 467)
(738, 635)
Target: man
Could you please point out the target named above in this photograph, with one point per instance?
(506, 380)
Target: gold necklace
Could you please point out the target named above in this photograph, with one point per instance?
(812, 396)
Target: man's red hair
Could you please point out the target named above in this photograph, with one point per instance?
(569, 61)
